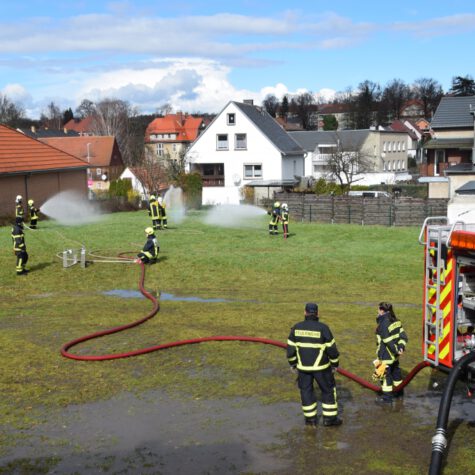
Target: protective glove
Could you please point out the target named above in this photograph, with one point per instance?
(293, 369)
(376, 363)
(137, 261)
(334, 369)
(379, 372)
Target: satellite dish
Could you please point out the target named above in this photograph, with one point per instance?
(236, 179)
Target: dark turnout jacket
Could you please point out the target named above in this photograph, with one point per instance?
(390, 338)
(311, 346)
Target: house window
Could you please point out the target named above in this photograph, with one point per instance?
(398, 165)
(222, 142)
(240, 142)
(174, 147)
(403, 147)
(252, 171)
(385, 146)
(399, 146)
(231, 119)
(160, 149)
(98, 171)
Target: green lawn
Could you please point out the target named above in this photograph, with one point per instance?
(346, 269)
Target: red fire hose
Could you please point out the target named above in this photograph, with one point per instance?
(154, 311)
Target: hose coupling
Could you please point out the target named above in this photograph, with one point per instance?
(439, 441)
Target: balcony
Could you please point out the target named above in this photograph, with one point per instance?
(214, 180)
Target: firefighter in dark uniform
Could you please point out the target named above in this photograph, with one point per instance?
(151, 248)
(19, 211)
(19, 248)
(153, 212)
(274, 218)
(391, 340)
(162, 212)
(311, 350)
(34, 214)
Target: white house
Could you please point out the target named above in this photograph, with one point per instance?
(384, 153)
(243, 146)
(137, 186)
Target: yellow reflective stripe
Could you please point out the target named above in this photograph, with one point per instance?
(334, 360)
(397, 383)
(329, 413)
(390, 338)
(292, 359)
(310, 414)
(329, 406)
(315, 367)
(291, 343)
(310, 345)
(330, 343)
(394, 325)
(309, 408)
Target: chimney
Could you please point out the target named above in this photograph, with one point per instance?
(249, 102)
(180, 118)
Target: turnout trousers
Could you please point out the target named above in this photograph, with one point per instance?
(21, 260)
(326, 383)
(392, 378)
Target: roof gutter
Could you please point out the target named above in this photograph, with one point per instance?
(37, 172)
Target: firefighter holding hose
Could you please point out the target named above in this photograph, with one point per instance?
(312, 352)
(284, 217)
(162, 212)
(274, 218)
(19, 211)
(34, 214)
(150, 250)
(391, 340)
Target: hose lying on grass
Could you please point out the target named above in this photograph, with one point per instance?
(154, 311)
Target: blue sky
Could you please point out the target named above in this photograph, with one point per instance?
(197, 56)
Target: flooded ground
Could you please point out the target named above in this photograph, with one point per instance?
(160, 434)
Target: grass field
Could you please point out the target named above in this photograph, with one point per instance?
(266, 281)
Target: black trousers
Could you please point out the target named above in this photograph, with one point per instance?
(21, 260)
(326, 383)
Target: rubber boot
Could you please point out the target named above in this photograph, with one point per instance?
(311, 422)
(332, 421)
(385, 398)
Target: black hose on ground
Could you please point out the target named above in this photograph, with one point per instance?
(439, 441)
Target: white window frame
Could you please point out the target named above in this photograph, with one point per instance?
(160, 149)
(230, 115)
(236, 142)
(222, 142)
(98, 172)
(253, 166)
(437, 162)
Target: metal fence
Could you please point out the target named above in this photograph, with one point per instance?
(361, 210)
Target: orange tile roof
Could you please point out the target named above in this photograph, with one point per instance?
(95, 150)
(80, 125)
(186, 127)
(20, 153)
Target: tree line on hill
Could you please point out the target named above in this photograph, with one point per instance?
(370, 105)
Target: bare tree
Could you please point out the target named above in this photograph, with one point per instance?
(271, 104)
(52, 117)
(303, 106)
(112, 117)
(429, 92)
(151, 172)
(346, 162)
(10, 113)
(175, 167)
(395, 94)
(365, 104)
(164, 109)
(85, 109)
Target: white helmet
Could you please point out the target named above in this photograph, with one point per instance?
(160, 199)
(31, 202)
(19, 198)
(285, 206)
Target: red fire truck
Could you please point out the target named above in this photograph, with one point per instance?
(449, 291)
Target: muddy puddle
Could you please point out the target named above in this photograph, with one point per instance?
(160, 434)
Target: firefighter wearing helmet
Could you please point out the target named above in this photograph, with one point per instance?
(34, 213)
(284, 217)
(151, 248)
(153, 212)
(19, 248)
(274, 218)
(19, 211)
(162, 212)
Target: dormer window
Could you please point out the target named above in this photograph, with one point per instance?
(231, 119)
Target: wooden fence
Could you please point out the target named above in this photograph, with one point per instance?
(361, 210)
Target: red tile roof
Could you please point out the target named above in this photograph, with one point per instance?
(186, 127)
(80, 125)
(95, 150)
(20, 153)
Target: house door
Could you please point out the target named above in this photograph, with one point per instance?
(439, 164)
